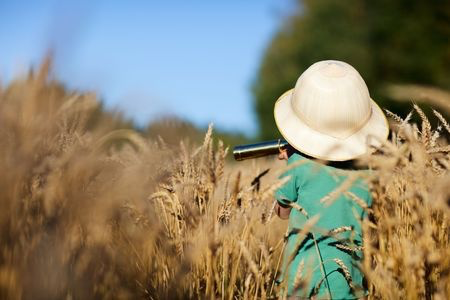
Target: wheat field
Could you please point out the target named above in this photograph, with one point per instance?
(90, 209)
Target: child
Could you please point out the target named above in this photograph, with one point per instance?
(329, 116)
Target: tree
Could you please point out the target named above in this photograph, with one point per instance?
(386, 41)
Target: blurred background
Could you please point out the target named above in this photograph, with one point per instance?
(184, 64)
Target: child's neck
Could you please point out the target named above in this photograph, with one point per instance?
(344, 165)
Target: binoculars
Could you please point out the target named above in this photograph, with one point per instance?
(243, 152)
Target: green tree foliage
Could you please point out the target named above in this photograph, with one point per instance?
(386, 41)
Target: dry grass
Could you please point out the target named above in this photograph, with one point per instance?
(408, 243)
(89, 211)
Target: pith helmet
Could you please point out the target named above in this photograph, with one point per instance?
(329, 114)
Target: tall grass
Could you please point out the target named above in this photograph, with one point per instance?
(92, 211)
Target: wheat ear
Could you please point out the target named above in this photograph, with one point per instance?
(298, 280)
(346, 271)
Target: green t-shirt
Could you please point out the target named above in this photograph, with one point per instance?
(337, 197)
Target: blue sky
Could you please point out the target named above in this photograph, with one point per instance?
(193, 59)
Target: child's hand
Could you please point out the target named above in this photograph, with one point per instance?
(283, 155)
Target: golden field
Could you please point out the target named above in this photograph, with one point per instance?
(93, 209)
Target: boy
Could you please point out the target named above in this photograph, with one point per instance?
(329, 116)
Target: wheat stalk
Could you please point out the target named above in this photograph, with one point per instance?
(346, 271)
(338, 230)
(299, 208)
(298, 279)
(443, 120)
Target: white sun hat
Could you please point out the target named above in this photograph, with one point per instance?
(329, 114)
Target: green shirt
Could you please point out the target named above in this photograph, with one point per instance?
(310, 192)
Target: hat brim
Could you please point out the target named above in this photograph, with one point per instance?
(319, 145)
